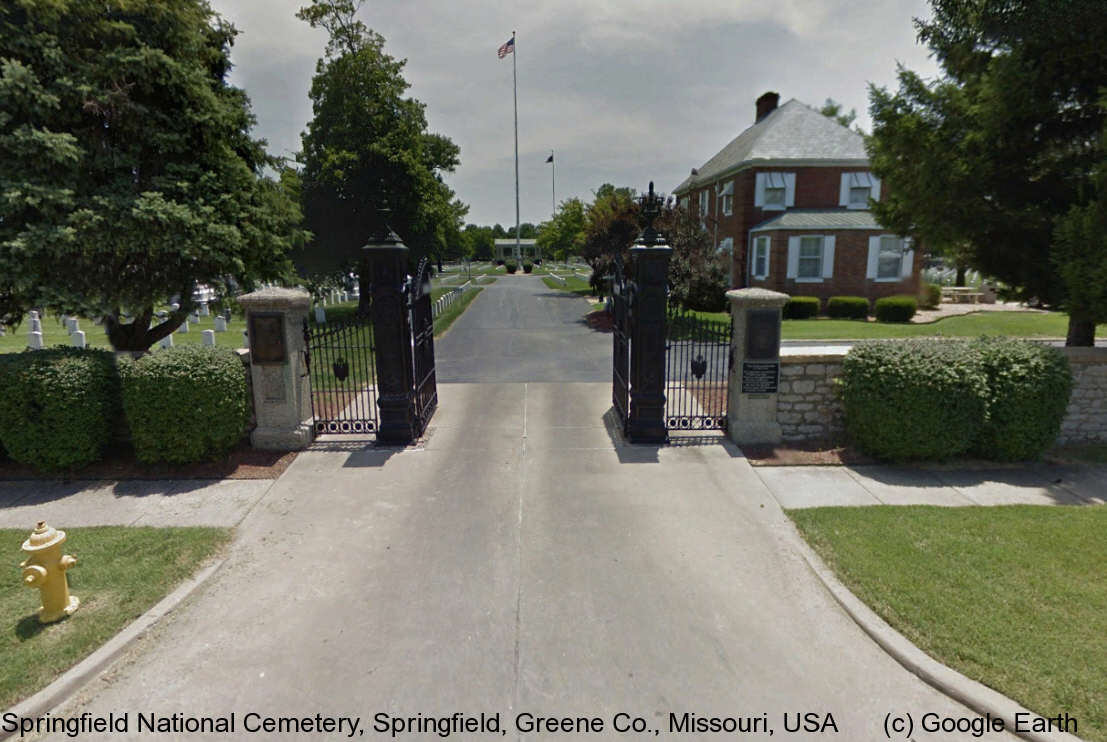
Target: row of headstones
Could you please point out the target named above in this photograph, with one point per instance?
(336, 297)
(78, 340)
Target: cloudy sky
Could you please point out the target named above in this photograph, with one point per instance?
(623, 91)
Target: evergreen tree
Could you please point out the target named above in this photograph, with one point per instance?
(127, 171)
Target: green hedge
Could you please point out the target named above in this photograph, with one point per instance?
(896, 308)
(1001, 398)
(511, 266)
(185, 404)
(913, 399)
(58, 406)
(1028, 391)
(930, 296)
(801, 307)
(847, 307)
(528, 267)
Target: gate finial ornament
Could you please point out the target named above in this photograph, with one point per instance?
(650, 237)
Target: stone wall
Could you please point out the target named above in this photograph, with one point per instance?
(1086, 418)
(807, 408)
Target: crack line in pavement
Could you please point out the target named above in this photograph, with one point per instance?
(519, 556)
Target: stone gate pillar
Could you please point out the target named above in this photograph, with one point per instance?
(754, 379)
(275, 320)
(650, 271)
(392, 342)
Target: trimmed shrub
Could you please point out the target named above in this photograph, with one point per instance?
(58, 406)
(1028, 391)
(896, 308)
(847, 307)
(801, 307)
(528, 267)
(913, 399)
(511, 266)
(930, 296)
(185, 404)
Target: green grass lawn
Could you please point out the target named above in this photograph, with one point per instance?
(573, 285)
(1013, 596)
(120, 573)
(53, 333)
(1014, 324)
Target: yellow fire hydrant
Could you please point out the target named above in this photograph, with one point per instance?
(45, 569)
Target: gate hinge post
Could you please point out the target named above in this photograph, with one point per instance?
(646, 423)
(392, 344)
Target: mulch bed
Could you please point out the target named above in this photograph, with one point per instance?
(600, 320)
(810, 453)
(241, 463)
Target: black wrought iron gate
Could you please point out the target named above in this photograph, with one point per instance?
(343, 383)
(697, 364)
(422, 350)
(621, 300)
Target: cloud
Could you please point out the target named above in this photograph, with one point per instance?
(623, 90)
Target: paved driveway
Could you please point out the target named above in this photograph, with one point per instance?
(520, 330)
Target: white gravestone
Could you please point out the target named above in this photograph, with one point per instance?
(34, 341)
(77, 339)
(36, 324)
(209, 338)
(71, 325)
(220, 324)
(34, 314)
(183, 327)
(246, 338)
(320, 315)
(204, 311)
(167, 341)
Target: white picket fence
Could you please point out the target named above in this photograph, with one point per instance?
(449, 298)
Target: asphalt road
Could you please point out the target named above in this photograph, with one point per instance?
(520, 330)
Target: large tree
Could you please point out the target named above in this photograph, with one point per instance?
(611, 226)
(367, 154)
(127, 170)
(564, 234)
(999, 149)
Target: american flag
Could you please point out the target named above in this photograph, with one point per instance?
(507, 48)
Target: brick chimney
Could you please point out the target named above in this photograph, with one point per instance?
(766, 104)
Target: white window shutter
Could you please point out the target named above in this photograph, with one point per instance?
(828, 256)
(875, 193)
(906, 267)
(789, 189)
(874, 257)
(843, 191)
(793, 256)
(768, 256)
(759, 190)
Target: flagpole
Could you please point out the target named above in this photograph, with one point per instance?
(553, 184)
(515, 95)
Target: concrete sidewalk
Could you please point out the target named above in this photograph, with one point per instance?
(187, 502)
(522, 559)
(1028, 484)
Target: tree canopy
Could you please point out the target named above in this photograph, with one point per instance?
(127, 170)
(564, 234)
(368, 149)
(991, 156)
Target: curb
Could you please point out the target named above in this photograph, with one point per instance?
(73, 679)
(978, 697)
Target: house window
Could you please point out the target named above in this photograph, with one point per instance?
(889, 263)
(810, 258)
(774, 191)
(726, 246)
(703, 203)
(759, 263)
(726, 195)
(857, 189)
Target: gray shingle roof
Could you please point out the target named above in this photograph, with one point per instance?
(794, 131)
(820, 219)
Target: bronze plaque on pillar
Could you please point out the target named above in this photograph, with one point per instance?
(762, 334)
(267, 338)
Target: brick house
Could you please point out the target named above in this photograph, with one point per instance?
(788, 198)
